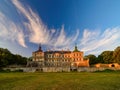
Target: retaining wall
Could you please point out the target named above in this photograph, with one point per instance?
(60, 69)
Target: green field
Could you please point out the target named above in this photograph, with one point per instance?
(60, 81)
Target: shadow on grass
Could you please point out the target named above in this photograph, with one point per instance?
(8, 70)
(108, 71)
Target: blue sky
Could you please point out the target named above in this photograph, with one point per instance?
(58, 24)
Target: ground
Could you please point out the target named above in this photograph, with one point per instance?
(60, 81)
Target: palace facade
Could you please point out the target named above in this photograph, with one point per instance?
(60, 58)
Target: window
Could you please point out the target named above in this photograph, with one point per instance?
(74, 60)
(52, 56)
(48, 55)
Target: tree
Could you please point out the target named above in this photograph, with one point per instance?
(106, 57)
(100, 59)
(7, 58)
(30, 59)
(92, 59)
(3, 62)
(116, 55)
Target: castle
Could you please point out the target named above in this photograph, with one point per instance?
(61, 58)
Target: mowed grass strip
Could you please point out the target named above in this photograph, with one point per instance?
(60, 81)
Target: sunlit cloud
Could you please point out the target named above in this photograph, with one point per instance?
(95, 41)
(31, 29)
(64, 40)
(37, 30)
(39, 33)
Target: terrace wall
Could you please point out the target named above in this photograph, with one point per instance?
(61, 69)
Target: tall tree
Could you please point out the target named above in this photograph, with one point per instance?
(92, 59)
(116, 55)
(106, 57)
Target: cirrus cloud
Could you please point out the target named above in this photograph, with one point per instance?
(33, 29)
(39, 33)
(95, 41)
(11, 31)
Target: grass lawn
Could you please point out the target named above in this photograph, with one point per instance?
(60, 81)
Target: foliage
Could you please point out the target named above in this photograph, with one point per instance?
(106, 57)
(92, 59)
(7, 58)
(107, 70)
(116, 55)
(30, 59)
(9, 71)
(100, 59)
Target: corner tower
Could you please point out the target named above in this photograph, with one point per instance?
(38, 55)
(76, 49)
(77, 58)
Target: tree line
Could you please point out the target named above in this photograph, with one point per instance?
(7, 58)
(105, 57)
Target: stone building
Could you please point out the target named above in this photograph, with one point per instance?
(61, 58)
(38, 55)
(58, 58)
(77, 59)
(37, 58)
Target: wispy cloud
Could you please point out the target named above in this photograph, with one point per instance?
(92, 42)
(95, 41)
(37, 30)
(11, 31)
(39, 33)
(64, 40)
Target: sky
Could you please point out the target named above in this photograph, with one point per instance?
(94, 25)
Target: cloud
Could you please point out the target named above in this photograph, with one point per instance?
(39, 33)
(64, 40)
(95, 41)
(33, 29)
(10, 30)
(37, 30)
